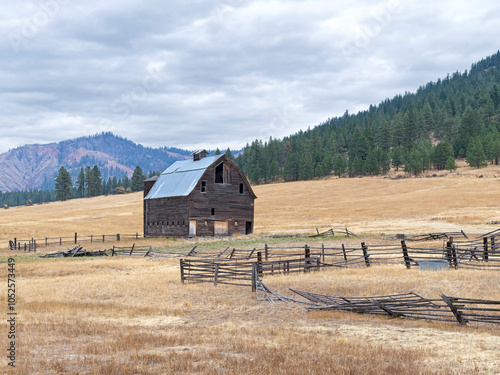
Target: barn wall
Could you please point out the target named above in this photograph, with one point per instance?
(166, 217)
(228, 203)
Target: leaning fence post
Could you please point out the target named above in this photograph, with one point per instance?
(131, 250)
(347, 232)
(485, 251)
(182, 270)
(365, 254)
(405, 254)
(345, 254)
(454, 310)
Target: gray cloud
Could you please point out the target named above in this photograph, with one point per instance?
(221, 73)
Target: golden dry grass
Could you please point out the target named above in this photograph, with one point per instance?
(133, 316)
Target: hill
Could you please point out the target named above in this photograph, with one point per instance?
(36, 166)
(457, 116)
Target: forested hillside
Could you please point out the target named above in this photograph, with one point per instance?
(458, 116)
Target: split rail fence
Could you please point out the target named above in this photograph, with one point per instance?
(33, 243)
(234, 266)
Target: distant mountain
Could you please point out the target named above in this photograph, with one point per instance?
(36, 166)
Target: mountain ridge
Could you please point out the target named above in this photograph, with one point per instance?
(35, 166)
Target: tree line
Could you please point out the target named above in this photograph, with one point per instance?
(457, 117)
(89, 183)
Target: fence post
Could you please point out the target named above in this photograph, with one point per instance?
(136, 235)
(254, 279)
(34, 246)
(45, 241)
(493, 243)
(91, 238)
(485, 251)
(259, 263)
(19, 246)
(15, 242)
(266, 251)
(118, 237)
(60, 241)
(25, 246)
(405, 254)
(132, 249)
(76, 237)
(182, 270)
(103, 237)
(323, 252)
(345, 254)
(347, 232)
(448, 251)
(113, 251)
(216, 275)
(307, 257)
(365, 254)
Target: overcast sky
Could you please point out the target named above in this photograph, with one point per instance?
(221, 73)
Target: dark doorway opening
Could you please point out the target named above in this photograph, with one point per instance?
(248, 227)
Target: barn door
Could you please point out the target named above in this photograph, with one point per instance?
(221, 228)
(192, 227)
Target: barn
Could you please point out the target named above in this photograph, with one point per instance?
(202, 196)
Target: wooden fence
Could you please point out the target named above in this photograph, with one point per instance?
(234, 266)
(33, 243)
(411, 305)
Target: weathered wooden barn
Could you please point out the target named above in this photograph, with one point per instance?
(203, 196)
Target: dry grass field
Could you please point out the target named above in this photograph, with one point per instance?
(133, 316)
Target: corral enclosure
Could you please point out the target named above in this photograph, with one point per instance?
(131, 315)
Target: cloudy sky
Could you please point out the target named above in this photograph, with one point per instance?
(221, 73)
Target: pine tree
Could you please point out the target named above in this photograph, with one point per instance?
(80, 183)
(475, 153)
(450, 164)
(97, 180)
(397, 158)
(64, 185)
(339, 165)
(138, 179)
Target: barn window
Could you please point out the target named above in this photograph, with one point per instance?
(219, 174)
(236, 223)
(206, 222)
(241, 188)
(213, 212)
(203, 188)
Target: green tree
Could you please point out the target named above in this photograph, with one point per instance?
(80, 183)
(97, 181)
(339, 165)
(64, 185)
(450, 164)
(397, 158)
(138, 178)
(475, 153)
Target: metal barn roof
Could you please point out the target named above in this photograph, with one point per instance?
(181, 178)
